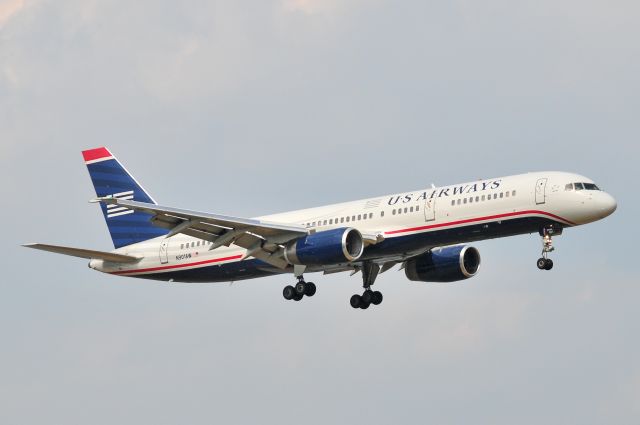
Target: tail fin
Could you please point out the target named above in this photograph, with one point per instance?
(110, 178)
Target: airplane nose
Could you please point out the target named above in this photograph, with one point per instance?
(607, 204)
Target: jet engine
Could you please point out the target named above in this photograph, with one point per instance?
(447, 264)
(329, 247)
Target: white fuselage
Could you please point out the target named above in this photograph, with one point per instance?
(423, 219)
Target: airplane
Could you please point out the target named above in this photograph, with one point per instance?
(425, 231)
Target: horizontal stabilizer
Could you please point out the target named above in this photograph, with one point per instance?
(85, 253)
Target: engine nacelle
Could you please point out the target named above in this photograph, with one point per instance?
(329, 247)
(444, 264)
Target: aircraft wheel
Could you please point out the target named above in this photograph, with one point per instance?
(364, 305)
(300, 287)
(376, 298)
(542, 263)
(298, 297)
(548, 265)
(288, 292)
(367, 297)
(310, 289)
(356, 301)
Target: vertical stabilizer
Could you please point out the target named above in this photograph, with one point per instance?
(110, 178)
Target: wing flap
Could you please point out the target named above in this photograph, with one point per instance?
(84, 253)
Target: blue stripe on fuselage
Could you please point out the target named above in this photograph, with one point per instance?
(398, 245)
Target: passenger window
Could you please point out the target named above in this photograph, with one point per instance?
(381, 213)
(331, 221)
(198, 244)
(578, 186)
(347, 219)
(458, 202)
(359, 217)
(417, 207)
(406, 209)
(411, 209)
(501, 195)
(324, 223)
(477, 198)
(483, 197)
(471, 199)
(181, 246)
(513, 193)
(341, 219)
(568, 186)
(353, 218)
(506, 194)
(193, 244)
(495, 196)
(464, 201)
(370, 215)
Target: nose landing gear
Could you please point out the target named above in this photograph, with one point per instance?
(544, 262)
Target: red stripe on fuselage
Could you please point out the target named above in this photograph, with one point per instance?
(178, 266)
(473, 220)
(392, 232)
(94, 154)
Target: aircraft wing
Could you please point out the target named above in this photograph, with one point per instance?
(84, 253)
(262, 239)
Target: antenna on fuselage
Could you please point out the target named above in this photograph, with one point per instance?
(433, 186)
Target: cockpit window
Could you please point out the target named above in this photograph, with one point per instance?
(581, 186)
(590, 186)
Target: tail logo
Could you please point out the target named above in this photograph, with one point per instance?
(115, 210)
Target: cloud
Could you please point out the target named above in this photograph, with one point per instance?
(8, 9)
(312, 7)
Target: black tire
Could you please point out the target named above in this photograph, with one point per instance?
(542, 263)
(356, 301)
(364, 305)
(288, 292)
(300, 288)
(548, 265)
(376, 299)
(298, 297)
(310, 289)
(367, 297)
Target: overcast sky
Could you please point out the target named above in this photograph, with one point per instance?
(254, 107)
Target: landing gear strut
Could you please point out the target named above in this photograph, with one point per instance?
(369, 273)
(544, 262)
(300, 290)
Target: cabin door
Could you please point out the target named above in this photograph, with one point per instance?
(164, 251)
(541, 187)
(430, 208)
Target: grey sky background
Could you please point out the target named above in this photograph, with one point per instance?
(254, 107)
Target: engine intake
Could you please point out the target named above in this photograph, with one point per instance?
(329, 247)
(447, 264)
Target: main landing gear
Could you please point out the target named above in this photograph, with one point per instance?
(369, 273)
(300, 290)
(544, 262)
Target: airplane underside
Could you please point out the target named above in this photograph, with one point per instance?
(391, 247)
